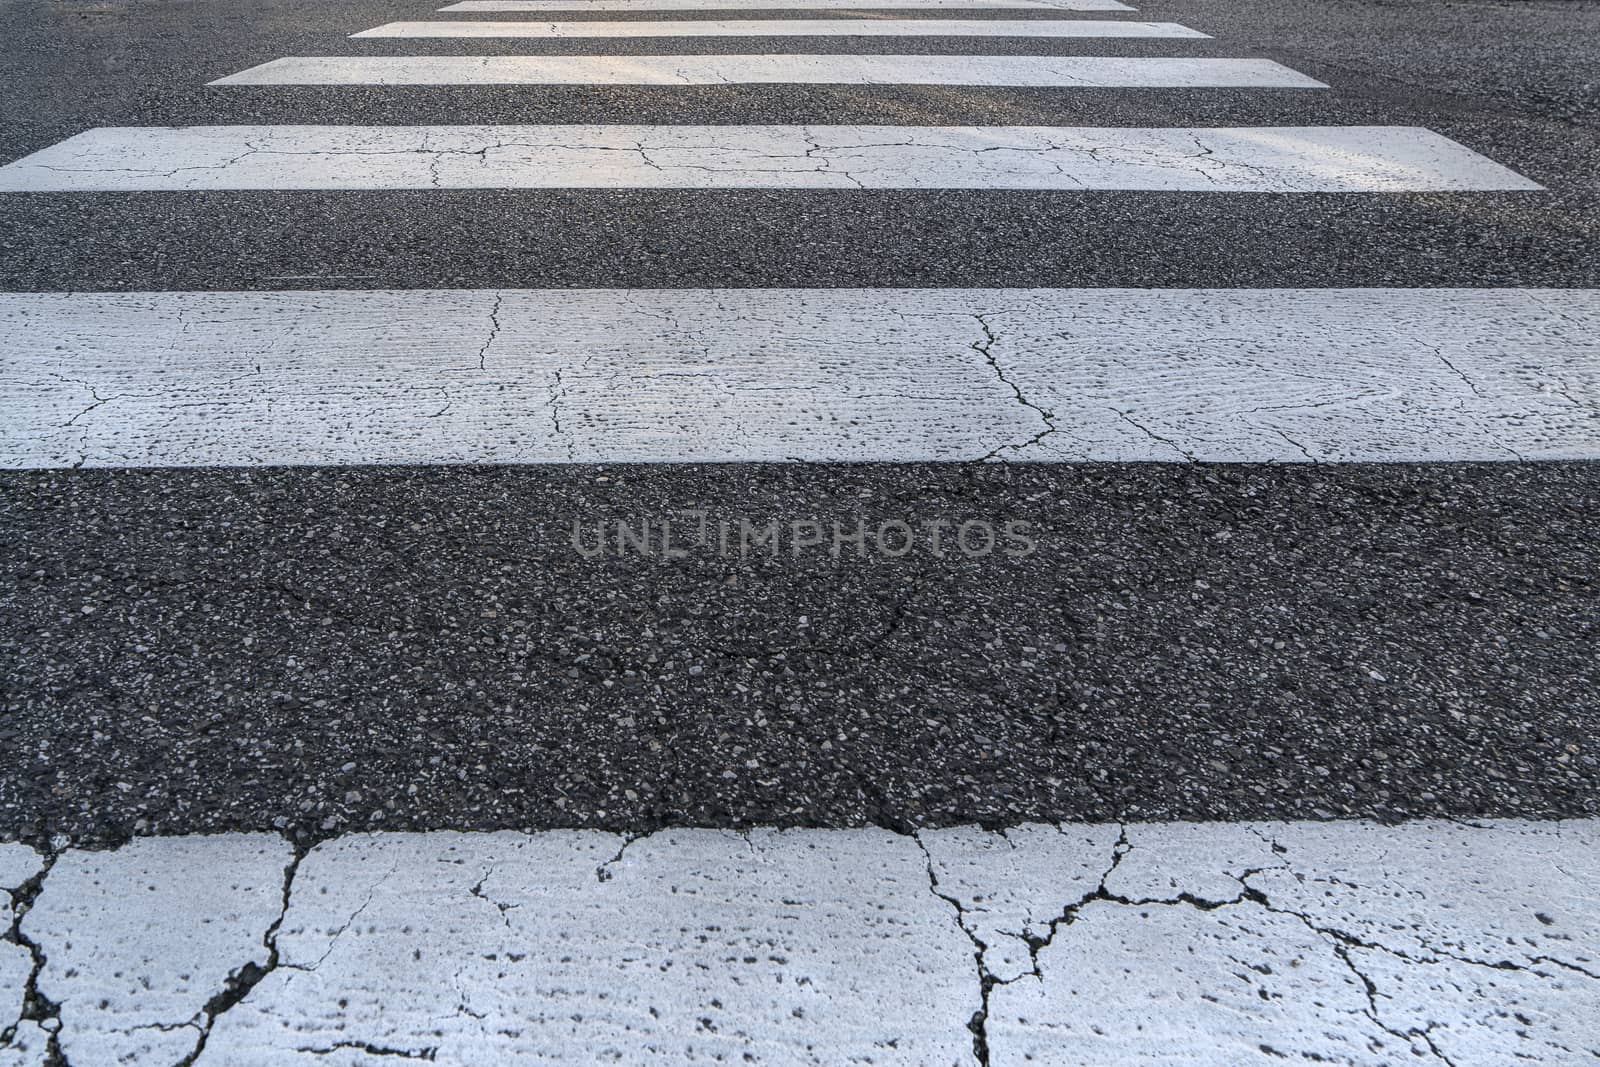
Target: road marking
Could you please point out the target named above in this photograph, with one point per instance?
(824, 375)
(1055, 71)
(1262, 159)
(780, 5)
(791, 28)
(1333, 942)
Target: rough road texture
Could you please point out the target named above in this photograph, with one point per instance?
(275, 650)
(1348, 943)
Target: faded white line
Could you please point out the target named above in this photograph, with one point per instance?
(1264, 159)
(1260, 943)
(791, 28)
(649, 6)
(1056, 71)
(824, 375)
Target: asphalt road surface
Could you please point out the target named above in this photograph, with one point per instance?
(315, 649)
(739, 429)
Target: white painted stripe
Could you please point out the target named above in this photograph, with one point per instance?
(1259, 943)
(648, 6)
(549, 376)
(1068, 71)
(791, 28)
(1264, 159)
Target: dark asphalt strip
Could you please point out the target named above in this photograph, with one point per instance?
(333, 649)
(720, 105)
(700, 238)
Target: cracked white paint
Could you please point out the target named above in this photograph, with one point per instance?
(1056, 71)
(1248, 986)
(18, 865)
(813, 947)
(28, 1046)
(1504, 974)
(847, 27)
(125, 996)
(16, 965)
(1250, 159)
(1010, 885)
(1203, 862)
(1427, 942)
(650, 6)
(1143, 944)
(922, 375)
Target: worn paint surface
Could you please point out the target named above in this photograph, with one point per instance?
(1061, 71)
(1352, 943)
(789, 28)
(651, 6)
(528, 376)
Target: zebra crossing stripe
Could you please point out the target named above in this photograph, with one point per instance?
(791, 28)
(780, 5)
(1061, 71)
(1264, 159)
(856, 945)
(825, 375)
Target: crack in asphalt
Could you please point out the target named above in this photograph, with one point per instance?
(1035, 943)
(558, 393)
(1304, 451)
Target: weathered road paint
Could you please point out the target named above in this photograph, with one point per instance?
(1050, 71)
(1350, 942)
(651, 6)
(1249, 159)
(552, 376)
(790, 28)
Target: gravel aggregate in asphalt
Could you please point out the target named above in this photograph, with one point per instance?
(316, 650)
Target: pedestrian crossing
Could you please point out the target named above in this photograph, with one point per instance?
(1319, 942)
(651, 6)
(1348, 159)
(1041, 71)
(822, 376)
(1103, 396)
(967, 957)
(927, 27)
